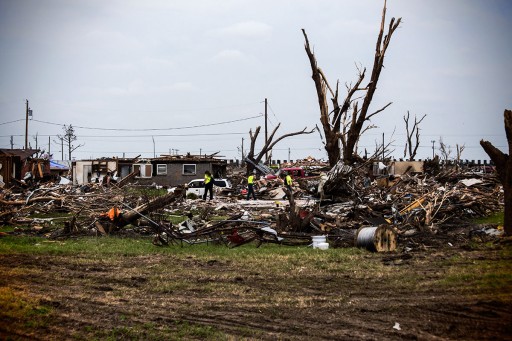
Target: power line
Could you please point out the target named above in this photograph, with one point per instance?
(135, 136)
(151, 111)
(272, 110)
(158, 129)
(12, 121)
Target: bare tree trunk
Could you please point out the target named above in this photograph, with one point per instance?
(343, 126)
(332, 139)
(415, 130)
(503, 164)
(378, 63)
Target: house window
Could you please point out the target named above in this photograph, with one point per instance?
(189, 169)
(161, 169)
(145, 170)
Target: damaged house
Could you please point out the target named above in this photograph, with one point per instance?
(87, 171)
(15, 163)
(174, 170)
(398, 168)
(163, 171)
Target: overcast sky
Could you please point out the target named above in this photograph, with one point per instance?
(155, 70)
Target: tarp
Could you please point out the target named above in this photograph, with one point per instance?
(57, 166)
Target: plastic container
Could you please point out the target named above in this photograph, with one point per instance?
(318, 240)
(323, 246)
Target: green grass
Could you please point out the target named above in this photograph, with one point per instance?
(6, 228)
(478, 273)
(17, 308)
(147, 192)
(52, 215)
(497, 218)
(207, 270)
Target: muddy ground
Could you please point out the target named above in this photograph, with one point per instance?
(403, 295)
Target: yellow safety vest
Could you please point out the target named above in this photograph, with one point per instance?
(207, 179)
(288, 180)
(250, 179)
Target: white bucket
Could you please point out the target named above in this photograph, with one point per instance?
(323, 246)
(319, 240)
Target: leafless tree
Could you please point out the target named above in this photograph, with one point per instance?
(503, 164)
(445, 150)
(460, 149)
(345, 123)
(412, 131)
(68, 138)
(270, 143)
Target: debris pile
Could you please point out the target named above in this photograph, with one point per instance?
(346, 204)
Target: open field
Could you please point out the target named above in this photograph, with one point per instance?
(126, 288)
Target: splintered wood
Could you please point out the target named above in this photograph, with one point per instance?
(345, 204)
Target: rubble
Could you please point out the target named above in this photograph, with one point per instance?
(339, 203)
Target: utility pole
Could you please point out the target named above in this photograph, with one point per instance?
(26, 125)
(62, 148)
(154, 153)
(288, 154)
(243, 156)
(49, 146)
(12, 142)
(433, 143)
(266, 131)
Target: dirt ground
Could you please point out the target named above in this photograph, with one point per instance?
(154, 296)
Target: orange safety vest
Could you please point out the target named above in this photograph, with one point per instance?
(114, 213)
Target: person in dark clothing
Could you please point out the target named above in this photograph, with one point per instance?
(208, 185)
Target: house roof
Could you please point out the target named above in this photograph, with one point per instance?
(187, 159)
(22, 153)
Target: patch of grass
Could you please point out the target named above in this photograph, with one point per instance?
(6, 228)
(51, 215)
(176, 219)
(469, 280)
(497, 218)
(180, 330)
(192, 196)
(148, 192)
(188, 331)
(219, 217)
(22, 313)
(94, 246)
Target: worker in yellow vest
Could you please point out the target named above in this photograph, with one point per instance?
(208, 185)
(288, 182)
(250, 185)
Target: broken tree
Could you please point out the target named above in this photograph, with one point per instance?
(411, 131)
(269, 144)
(116, 222)
(345, 122)
(503, 164)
